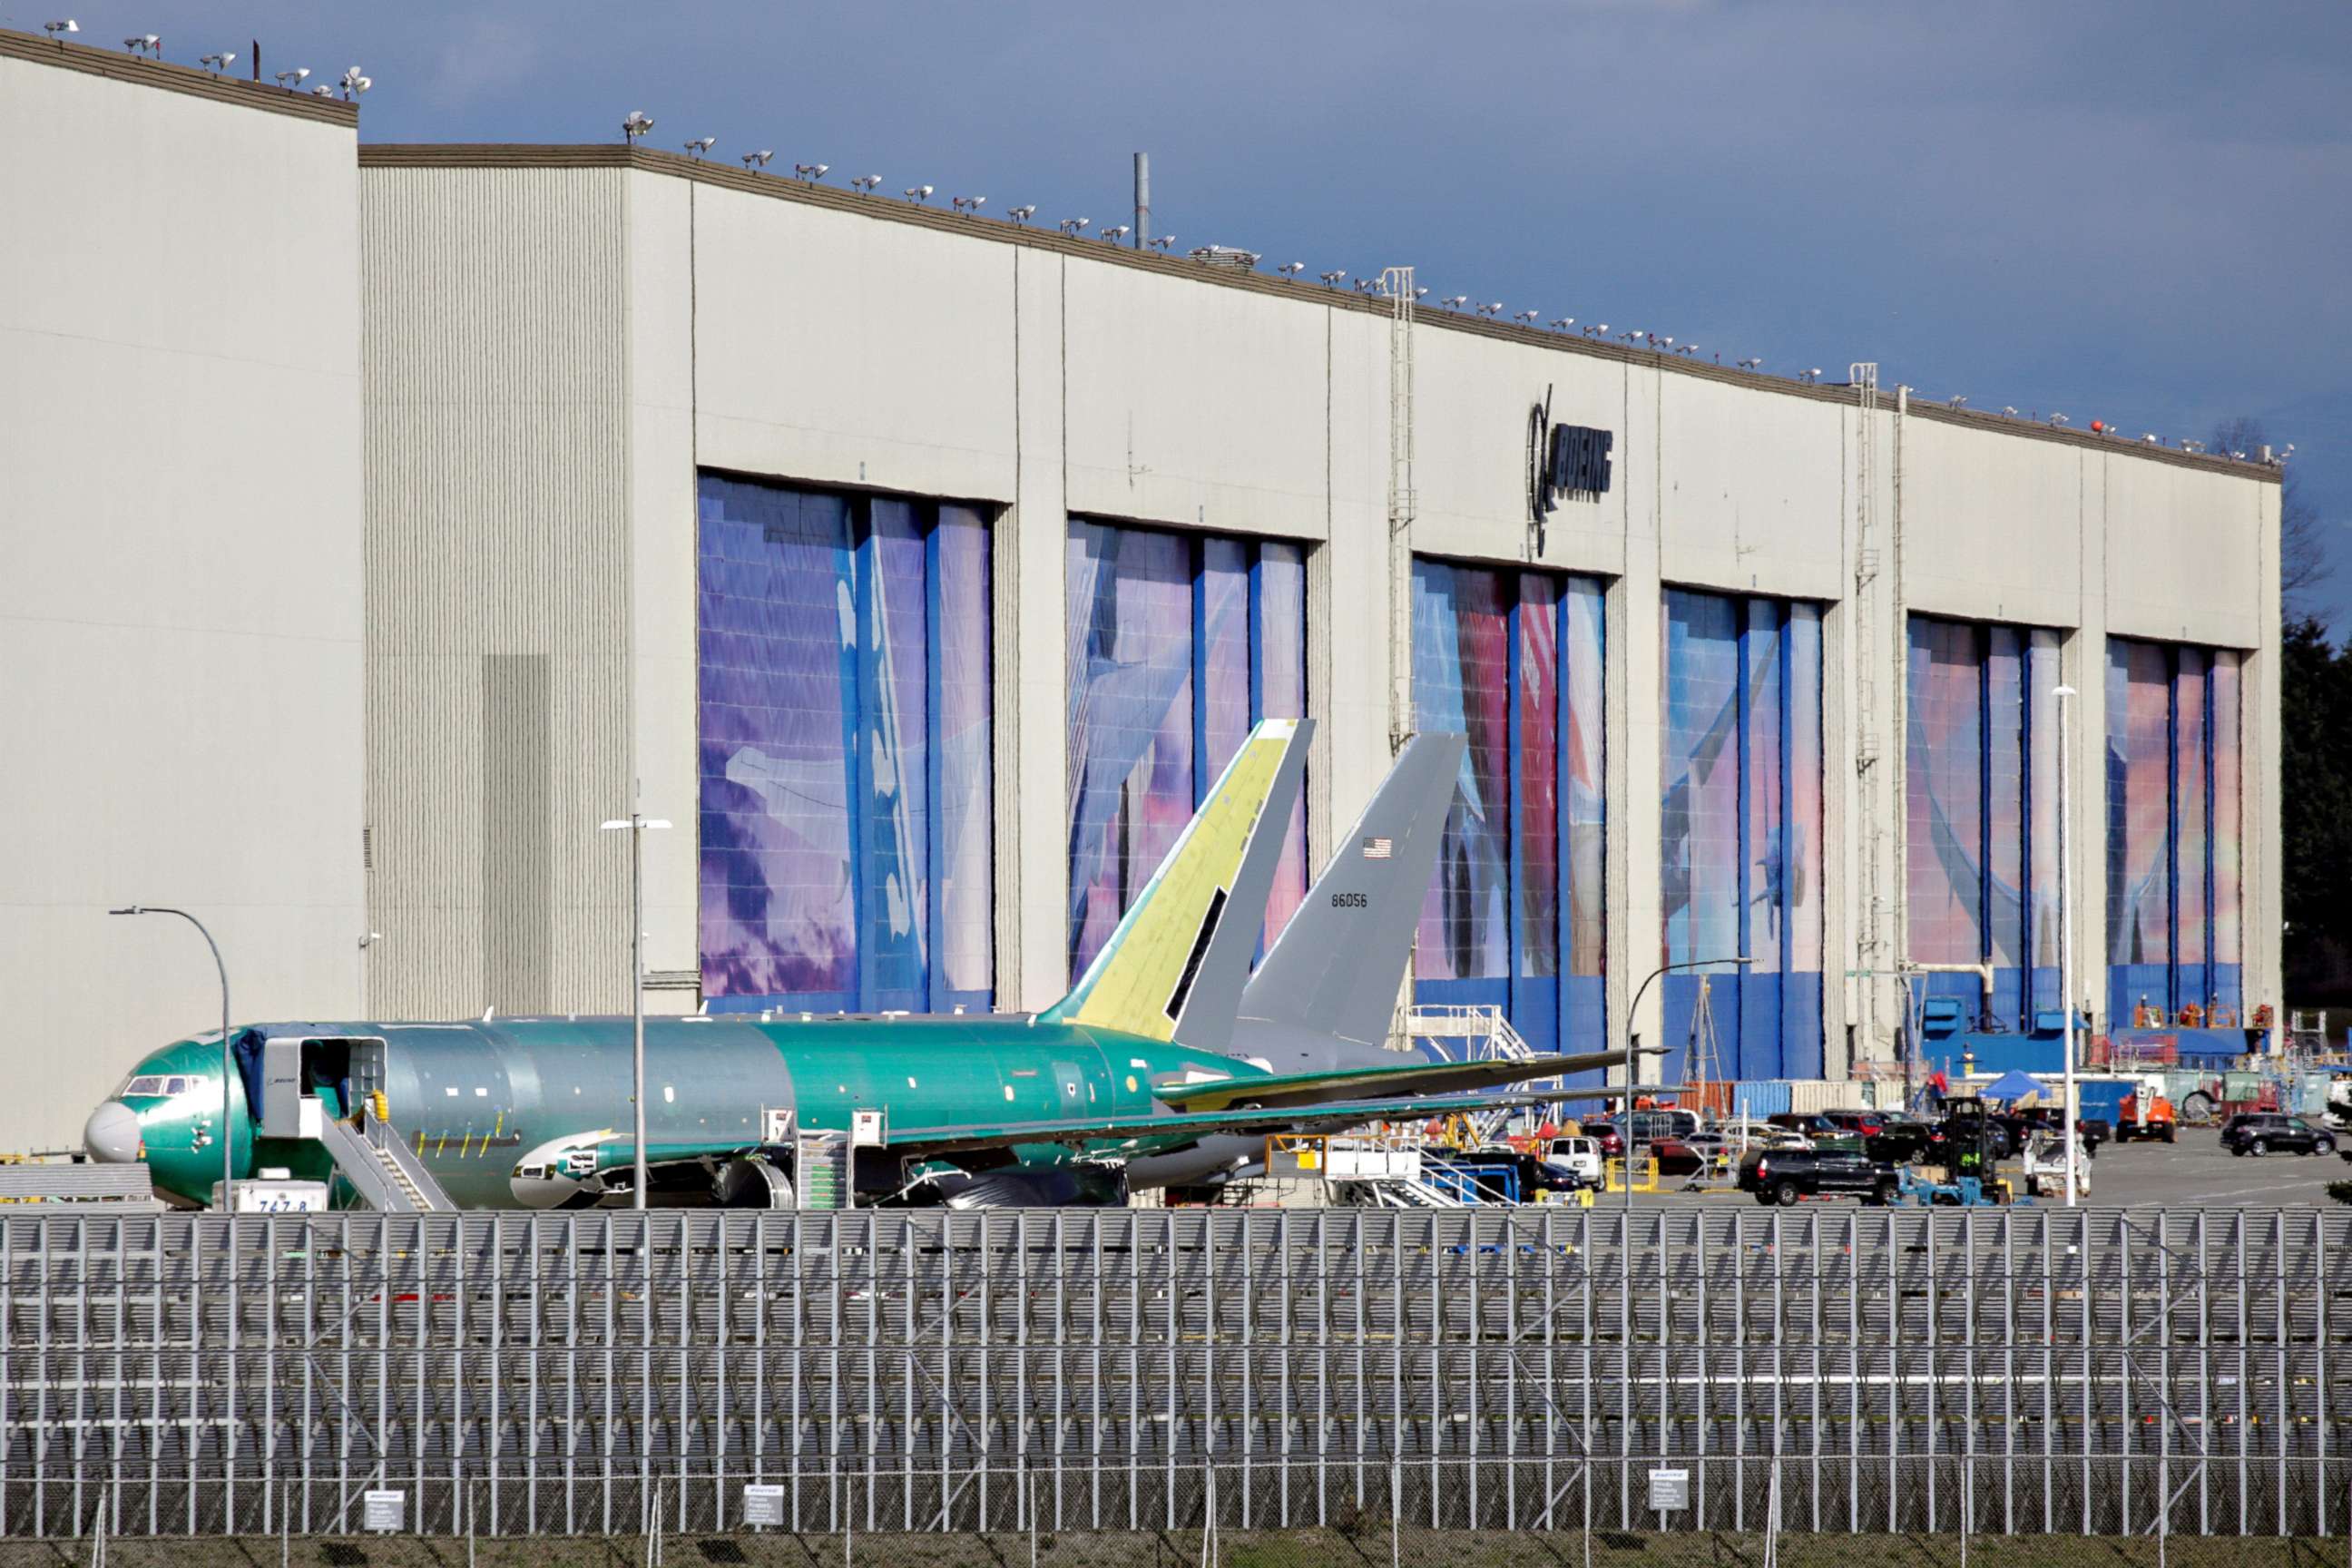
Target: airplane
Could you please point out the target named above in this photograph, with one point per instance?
(1069, 1105)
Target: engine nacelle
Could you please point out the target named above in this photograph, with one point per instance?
(752, 1182)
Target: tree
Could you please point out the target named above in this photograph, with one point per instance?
(2304, 564)
(2315, 811)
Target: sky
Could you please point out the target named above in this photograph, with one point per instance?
(2137, 213)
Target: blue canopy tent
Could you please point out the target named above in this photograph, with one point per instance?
(2014, 1086)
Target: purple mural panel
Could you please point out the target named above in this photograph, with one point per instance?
(1943, 796)
(1583, 764)
(1461, 685)
(2227, 850)
(1282, 694)
(1538, 796)
(776, 633)
(965, 811)
(1130, 718)
(1804, 868)
(1699, 752)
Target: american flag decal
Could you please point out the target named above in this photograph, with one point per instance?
(1377, 848)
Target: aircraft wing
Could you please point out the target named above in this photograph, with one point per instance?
(1333, 1116)
(922, 1143)
(1307, 1088)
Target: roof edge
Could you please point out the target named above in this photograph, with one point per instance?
(600, 155)
(91, 60)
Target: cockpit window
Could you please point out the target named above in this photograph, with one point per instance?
(146, 1083)
(175, 1085)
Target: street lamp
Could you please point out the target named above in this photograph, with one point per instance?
(636, 827)
(2066, 926)
(1630, 1056)
(228, 1127)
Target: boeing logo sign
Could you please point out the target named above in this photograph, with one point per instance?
(1568, 461)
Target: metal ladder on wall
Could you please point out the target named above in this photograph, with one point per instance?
(1396, 283)
(1875, 943)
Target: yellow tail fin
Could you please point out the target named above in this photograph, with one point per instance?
(1176, 965)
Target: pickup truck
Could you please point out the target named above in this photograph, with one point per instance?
(1832, 1165)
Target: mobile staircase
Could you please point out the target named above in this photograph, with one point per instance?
(1474, 1032)
(380, 1165)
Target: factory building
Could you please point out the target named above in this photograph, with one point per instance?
(922, 571)
(181, 599)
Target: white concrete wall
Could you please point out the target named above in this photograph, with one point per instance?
(179, 614)
(819, 341)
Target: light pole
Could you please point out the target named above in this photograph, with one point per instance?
(228, 1127)
(2066, 924)
(366, 942)
(635, 827)
(1633, 1057)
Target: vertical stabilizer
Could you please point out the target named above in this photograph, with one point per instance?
(1336, 967)
(1175, 967)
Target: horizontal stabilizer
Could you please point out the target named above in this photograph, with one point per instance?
(1411, 1077)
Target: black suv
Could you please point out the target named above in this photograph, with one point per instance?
(2261, 1131)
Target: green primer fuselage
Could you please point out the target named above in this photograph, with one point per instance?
(474, 1097)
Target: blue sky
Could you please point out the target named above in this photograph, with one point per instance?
(2138, 213)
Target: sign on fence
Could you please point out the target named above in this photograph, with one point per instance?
(763, 1505)
(386, 1512)
(1669, 1489)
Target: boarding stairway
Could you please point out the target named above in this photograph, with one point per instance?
(380, 1166)
(1473, 1033)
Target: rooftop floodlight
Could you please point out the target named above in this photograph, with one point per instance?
(811, 173)
(1162, 242)
(322, 92)
(1116, 233)
(1021, 214)
(1751, 364)
(1331, 279)
(967, 204)
(1454, 301)
(699, 145)
(759, 160)
(1527, 316)
(353, 84)
(58, 29)
(291, 80)
(2059, 419)
(869, 183)
(144, 44)
(634, 125)
(1420, 292)
(219, 62)
(1959, 401)
(917, 193)
(1291, 269)
(1563, 324)
(2010, 409)
(1494, 307)
(1074, 225)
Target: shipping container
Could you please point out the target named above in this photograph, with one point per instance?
(1813, 1096)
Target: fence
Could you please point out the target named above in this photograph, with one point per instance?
(2087, 1371)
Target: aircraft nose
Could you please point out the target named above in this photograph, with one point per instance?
(111, 1134)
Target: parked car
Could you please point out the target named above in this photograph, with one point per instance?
(1902, 1138)
(1537, 1174)
(2260, 1131)
(1753, 1134)
(1580, 1157)
(1835, 1165)
(2045, 1164)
